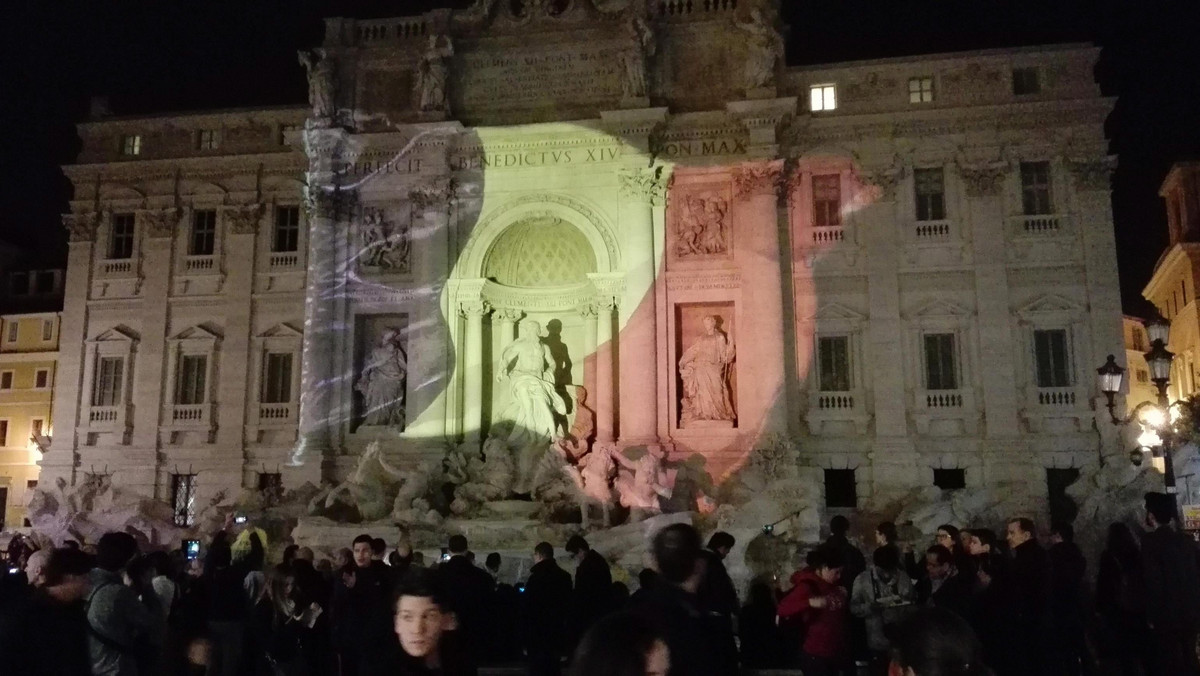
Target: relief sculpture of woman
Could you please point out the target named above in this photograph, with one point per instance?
(383, 380)
(704, 370)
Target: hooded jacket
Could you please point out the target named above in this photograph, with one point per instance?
(824, 628)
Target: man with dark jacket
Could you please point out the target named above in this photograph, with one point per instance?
(1024, 594)
(469, 591)
(362, 610)
(943, 585)
(853, 561)
(547, 600)
(718, 597)
(1172, 589)
(673, 606)
(1067, 569)
(43, 630)
(593, 586)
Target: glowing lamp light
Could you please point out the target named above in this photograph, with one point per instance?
(1158, 329)
(1110, 376)
(1149, 439)
(1159, 464)
(1152, 416)
(1159, 360)
(1176, 414)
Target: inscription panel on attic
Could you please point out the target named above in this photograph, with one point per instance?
(575, 73)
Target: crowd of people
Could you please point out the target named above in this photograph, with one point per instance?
(965, 605)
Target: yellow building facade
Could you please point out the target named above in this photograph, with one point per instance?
(28, 357)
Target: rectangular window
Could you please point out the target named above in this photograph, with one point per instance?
(204, 233)
(840, 488)
(1062, 506)
(31, 484)
(47, 330)
(14, 331)
(941, 362)
(1035, 188)
(930, 188)
(833, 355)
(1139, 341)
(1053, 360)
(1025, 81)
(41, 379)
(110, 371)
(827, 200)
(6, 380)
(208, 139)
(131, 145)
(3, 432)
(120, 244)
(44, 282)
(18, 283)
(920, 90)
(270, 481)
(183, 498)
(287, 229)
(35, 427)
(277, 378)
(189, 384)
(950, 479)
(822, 97)
(1143, 376)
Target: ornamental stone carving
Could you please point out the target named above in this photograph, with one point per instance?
(383, 380)
(983, 180)
(321, 84)
(432, 74)
(81, 227)
(881, 183)
(385, 245)
(703, 228)
(473, 308)
(432, 195)
(508, 314)
(1092, 174)
(650, 185)
(635, 58)
(244, 219)
(764, 49)
(588, 311)
(160, 222)
(757, 178)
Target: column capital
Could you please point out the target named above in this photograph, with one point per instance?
(244, 218)
(507, 314)
(757, 178)
(588, 310)
(983, 180)
(160, 222)
(81, 227)
(648, 185)
(474, 308)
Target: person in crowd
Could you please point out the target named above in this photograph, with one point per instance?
(935, 642)
(593, 586)
(853, 560)
(124, 624)
(625, 644)
(1068, 644)
(504, 615)
(289, 555)
(944, 585)
(43, 630)
(361, 610)
(1121, 602)
(547, 600)
(1172, 586)
(468, 592)
(342, 559)
(674, 606)
(757, 631)
(718, 597)
(378, 549)
(163, 581)
(424, 624)
(227, 605)
(950, 537)
(35, 567)
(886, 535)
(881, 596)
(492, 565)
(620, 595)
(646, 579)
(987, 603)
(821, 605)
(1025, 601)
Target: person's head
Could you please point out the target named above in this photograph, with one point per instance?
(282, 585)
(35, 567)
(980, 541)
(1160, 509)
(886, 559)
(458, 545)
(256, 557)
(542, 551)
(885, 534)
(361, 550)
(677, 553)
(492, 563)
(422, 615)
(65, 574)
(646, 578)
(948, 536)
(839, 526)
(378, 547)
(342, 558)
(1061, 531)
(305, 554)
(935, 642)
(624, 644)
(826, 563)
(1019, 531)
(721, 543)
(289, 554)
(115, 550)
(577, 547)
(404, 547)
(938, 562)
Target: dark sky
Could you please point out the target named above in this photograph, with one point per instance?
(184, 55)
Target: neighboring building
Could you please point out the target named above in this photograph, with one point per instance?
(913, 258)
(1172, 288)
(1137, 373)
(28, 358)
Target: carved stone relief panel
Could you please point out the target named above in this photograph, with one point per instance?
(701, 223)
(385, 243)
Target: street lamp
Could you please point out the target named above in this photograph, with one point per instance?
(1110, 377)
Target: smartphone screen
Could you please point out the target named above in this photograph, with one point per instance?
(192, 549)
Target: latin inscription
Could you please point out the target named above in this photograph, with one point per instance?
(534, 158)
(566, 75)
(707, 282)
(701, 148)
(400, 166)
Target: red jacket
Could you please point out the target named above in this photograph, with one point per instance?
(824, 628)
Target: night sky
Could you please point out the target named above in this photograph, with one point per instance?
(151, 57)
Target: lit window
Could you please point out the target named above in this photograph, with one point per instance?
(833, 357)
(920, 90)
(208, 139)
(131, 145)
(930, 188)
(277, 378)
(183, 498)
(287, 229)
(1025, 81)
(204, 233)
(6, 380)
(1052, 358)
(822, 97)
(41, 379)
(120, 244)
(47, 330)
(14, 330)
(827, 200)
(1035, 188)
(189, 388)
(941, 362)
(110, 371)
(3, 432)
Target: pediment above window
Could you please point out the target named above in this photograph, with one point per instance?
(941, 309)
(117, 334)
(281, 330)
(1050, 305)
(198, 334)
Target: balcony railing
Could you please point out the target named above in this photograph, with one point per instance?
(103, 414)
(681, 8)
(835, 401)
(200, 263)
(932, 231)
(285, 260)
(121, 266)
(391, 29)
(274, 412)
(942, 399)
(1039, 225)
(189, 413)
(828, 234)
(1056, 397)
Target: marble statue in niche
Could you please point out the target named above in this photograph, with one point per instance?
(320, 82)
(383, 380)
(764, 49)
(432, 73)
(385, 245)
(703, 229)
(634, 59)
(535, 406)
(704, 370)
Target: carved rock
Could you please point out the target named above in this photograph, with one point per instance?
(81, 227)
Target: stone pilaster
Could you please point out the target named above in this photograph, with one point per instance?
(430, 206)
(473, 372)
(241, 227)
(588, 312)
(606, 386)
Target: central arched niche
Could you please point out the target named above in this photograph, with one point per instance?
(541, 251)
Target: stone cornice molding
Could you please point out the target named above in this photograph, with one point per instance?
(1092, 174)
(244, 218)
(160, 222)
(984, 180)
(648, 185)
(81, 227)
(757, 178)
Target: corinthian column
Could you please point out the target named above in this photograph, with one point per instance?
(473, 372)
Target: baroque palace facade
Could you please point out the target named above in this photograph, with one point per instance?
(906, 265)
